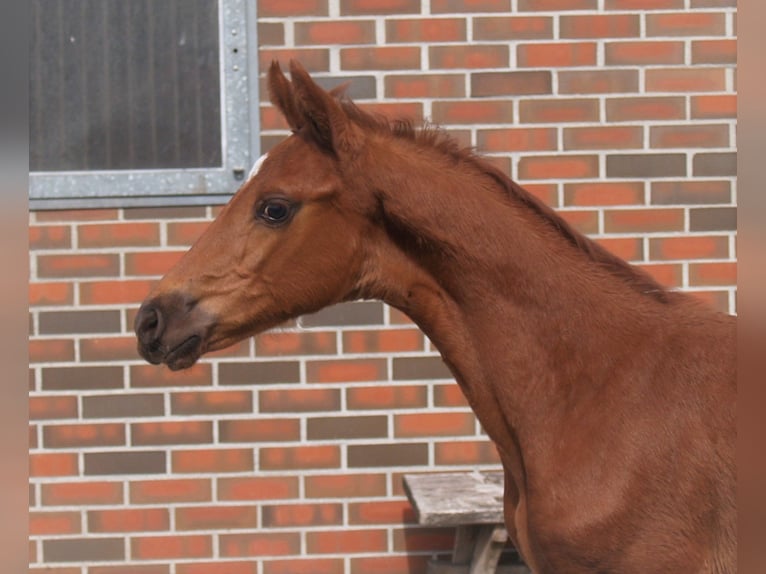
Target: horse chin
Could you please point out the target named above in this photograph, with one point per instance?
(184, 355)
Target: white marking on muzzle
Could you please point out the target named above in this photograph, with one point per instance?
(256, 167)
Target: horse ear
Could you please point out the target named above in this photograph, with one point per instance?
(282, 96)
(322, 114)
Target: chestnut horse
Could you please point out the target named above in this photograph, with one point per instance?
(612, 401)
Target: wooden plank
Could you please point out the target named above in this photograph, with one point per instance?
(455, 498)
(489, 547)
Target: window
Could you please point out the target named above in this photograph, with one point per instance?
(141, 102)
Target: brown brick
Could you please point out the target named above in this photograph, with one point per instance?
(604, 193)
(271, 33)
(102, 349)
(346, 315)
(713, 274)
(449, 395)
(558, 167)
(686, 80)
(642, 53)
(259, 430)
(510, 83)
(312, 565)
(83, 550)
(114, 292)
(302, 515)
(643, 4)
(211, 402)
(128, 520)
(423, 539)
(260, 544)
(169, 491)
(366, 7)
(346, 486)
(127, 406)
(280, 8)
(78, 265)
(81, 378)
(346, 370)
(559, 110)
(52, 407)
(517, 139)
(473, 56)
(600, 26)
(686, 136)
(419, 368)
(51, 350)
(690, 192)
(43, 237)
(387, 397)
(83, 435)
(171, 546)
(715, 164)
(259, 373)
(424, 30)
(79, 322)
(299, 400)
(312, 58)
(341, 428)
(299, 457)
(713, 219)
(347, 541)
(469, 6)
(383, 341)
(471, 453)
(603, 137)
(77, 215)
(171, 433)
(170, 212)
(556, 54)
(151, 263)
(646, 165)
(383, 455)
(686, 24)
(216, 517)
(380, 58)
(627, 248)
(335, 32)
(277, 344)
(556, 5)
(133, 234)
(425, 86)
(143, 376)
(473, 112)
(128, 462)
(512, 28)
(598, 81)
(714, 106)
(213, 460)
(258, 488)
(645, 108)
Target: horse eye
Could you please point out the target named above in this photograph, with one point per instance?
(275, 211)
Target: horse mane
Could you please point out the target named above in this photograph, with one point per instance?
(434, 137)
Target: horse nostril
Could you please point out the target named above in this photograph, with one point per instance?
(149, 324)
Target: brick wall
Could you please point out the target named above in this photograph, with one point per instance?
(285, 453)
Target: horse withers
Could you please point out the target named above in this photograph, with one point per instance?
(612, 401)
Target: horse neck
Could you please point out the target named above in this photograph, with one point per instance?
(519, 313)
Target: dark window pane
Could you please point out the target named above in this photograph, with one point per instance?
(124, 84)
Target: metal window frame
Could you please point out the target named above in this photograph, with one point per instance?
(170, 187)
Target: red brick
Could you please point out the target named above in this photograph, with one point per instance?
(598, 81)
(185, 232)
(472, 56)
(216, 517)
(686, 80)
(558, 167)
(490, 84)
(335, 32)
(129, 520)
(133, 234)
(643, 220)
(557, 54)
(556, 5)
(54, 523)
(424, 30)
(345, 486)
(584, 221)
(410, 110)
(171, 433)
(257, 488)
(151, 263)
(53, 464)
(469, 6)
(51, 350)
(383, 341)
(78, 265)
(512, 28)
(169, 491)
(365, 7)
(211, 402)
(593, 194)
(645, 108)
(686, 24)
(259, 430)
(425, 86)
(276, 344)
(299, 457)
(473, 112)
(346, 541)
(380, 58)
(51, 293)
(346, 370)
(560, 110)
(689, 136)
(449, 395)
(114, 292)
(175, 546)
(517, 139)
(217, 460)
(718, 299)
(642, 53)
(600, 26)
(714, 106)
(434, 424)
(628, 248)
(313, 59)
(108, 349)
(260, 544)
(49, 237)
(666, 274)
(394, 564)
(713, 274)
(299, 400)
(218, 567)
(52, 407)
(302, 515)
(84, 435)
(283, 8)
(311, 565)
(82, 493)
(77, 215)
(603, 137)
(466, 452)
(714, 52)
(548, 193)
(387, 397)
(381, 512)
(693, 247)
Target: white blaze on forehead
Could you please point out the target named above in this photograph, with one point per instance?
(256, 166)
